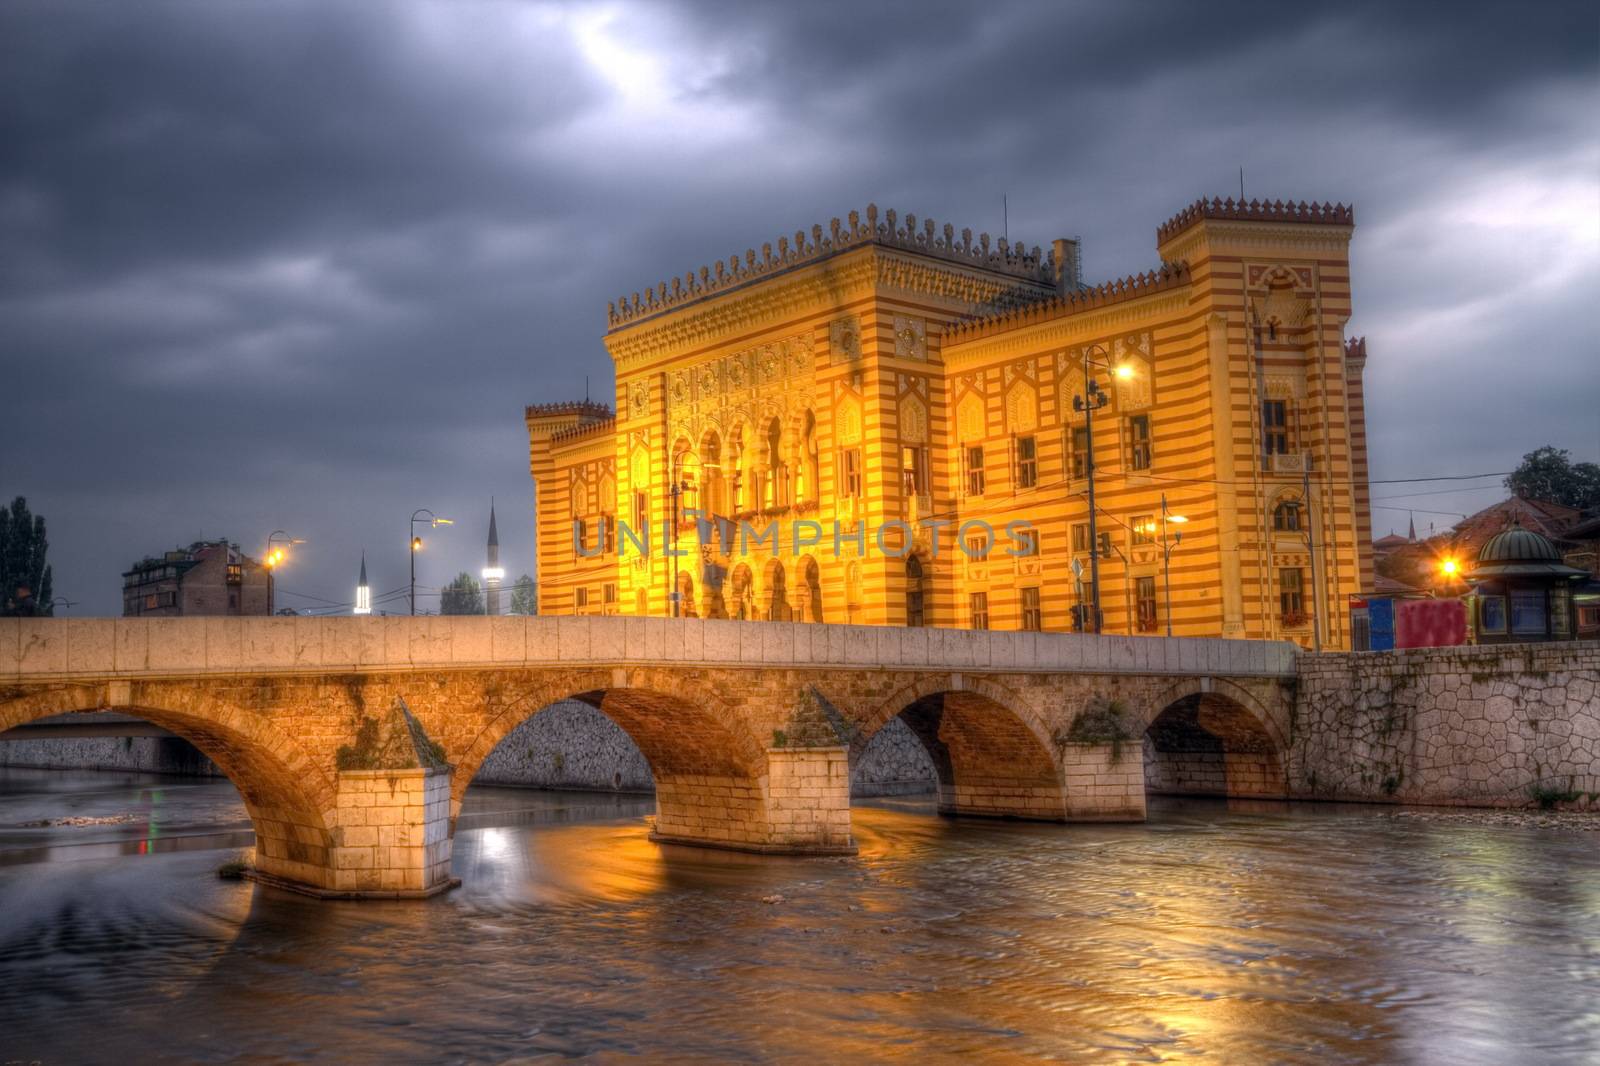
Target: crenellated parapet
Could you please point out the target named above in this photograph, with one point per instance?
(581, 408)
(1256, 211)
(1355, 349)
(1169, 276)
(603, 427)
(892, 231)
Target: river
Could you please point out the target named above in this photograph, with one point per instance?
(1234, 933)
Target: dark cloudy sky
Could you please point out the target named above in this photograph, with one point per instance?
(300, 265)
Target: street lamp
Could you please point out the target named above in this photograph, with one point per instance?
(681, 486)
(1092, 400)
(275, 558)
(433, 521)
(1166, 554)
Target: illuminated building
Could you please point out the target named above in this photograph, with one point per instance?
(885, 370)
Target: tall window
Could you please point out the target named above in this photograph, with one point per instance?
(1291, 594)
(1080, 538)
(1286, 516)
(608, 592)
(581, 598)
(1275, 426)
(641, 513)
(977, 547)
(1027, 463)
(916, 614)
(1105, 545)
(975, 471)
(978, 605)
(582, 530)
(1145, 596)
(1080, 451)
(914, 467)
(852, 471)
(1032, 617)
(1139, 442)
(1027, 543)
(1144, 527)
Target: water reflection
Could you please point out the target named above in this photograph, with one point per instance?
(1256, 932)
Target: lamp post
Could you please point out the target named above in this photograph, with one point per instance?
(1092, 400)
(415, 542)
(274, 559)
(1166, 555)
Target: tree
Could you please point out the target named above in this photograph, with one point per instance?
(461, 596)
(1549, 474)
(22, 561)
(524, 598)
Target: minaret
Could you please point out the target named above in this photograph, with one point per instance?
(492, 574)
(363, 594)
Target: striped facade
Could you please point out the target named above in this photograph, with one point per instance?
(851, 413)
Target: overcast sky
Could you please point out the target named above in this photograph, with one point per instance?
(300, 265)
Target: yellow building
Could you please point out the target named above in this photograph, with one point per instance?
(855, 407)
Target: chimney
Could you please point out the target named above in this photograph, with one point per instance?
(1066, 253)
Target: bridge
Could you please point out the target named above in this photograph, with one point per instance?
(353, 740)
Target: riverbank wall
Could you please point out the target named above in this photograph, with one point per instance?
(1480, 726)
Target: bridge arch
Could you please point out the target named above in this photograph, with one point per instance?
(710, 773)
(289, 797)
(1211, 736)
(990, 750)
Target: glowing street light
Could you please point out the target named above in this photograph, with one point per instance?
(1449, 568)
(433, 521)
(275, 557)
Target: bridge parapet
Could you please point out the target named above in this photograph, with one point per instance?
(88, 649)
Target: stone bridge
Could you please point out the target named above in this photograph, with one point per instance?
(353, 740)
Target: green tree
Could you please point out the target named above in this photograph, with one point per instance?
(1550, 474)
(461, 596)
(22, 560)
(524, 598)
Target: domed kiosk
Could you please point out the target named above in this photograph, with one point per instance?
(1522, 591)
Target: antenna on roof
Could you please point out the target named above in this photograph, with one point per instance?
(1241, 183)
(586, 388)
(1005, 217)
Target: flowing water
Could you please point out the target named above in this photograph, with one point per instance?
(1233, 933)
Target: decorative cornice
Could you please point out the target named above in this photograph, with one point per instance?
(1169, 276)
(585, 429)
(1325, 214)
(1355, 349)
(964, 290)
(1093, 324)
(1004, 258)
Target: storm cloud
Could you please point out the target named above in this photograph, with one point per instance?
(299, 265)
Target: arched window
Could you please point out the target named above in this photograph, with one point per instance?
(1286, 517)
(713, 497)
(916, 593)
(777, 593)
(743, 601)
(807, 490)
(775, 467)
(811, 590)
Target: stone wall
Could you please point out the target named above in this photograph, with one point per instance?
(157, 755)
(1476, 726)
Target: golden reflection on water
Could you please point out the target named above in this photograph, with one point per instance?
(1271, 933)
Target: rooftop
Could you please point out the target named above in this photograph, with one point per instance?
(1324, 214)
(1169, 276)
(892, 231)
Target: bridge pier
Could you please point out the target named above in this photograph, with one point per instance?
(1105, 782)
(800, 807)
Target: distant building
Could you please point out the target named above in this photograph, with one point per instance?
(206, 578)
